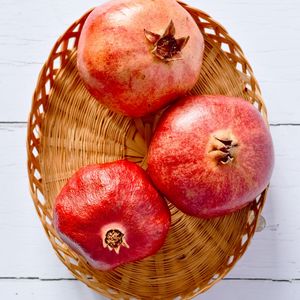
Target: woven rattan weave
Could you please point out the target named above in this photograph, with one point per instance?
(67, 129)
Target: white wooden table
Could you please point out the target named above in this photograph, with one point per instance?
(269, 33)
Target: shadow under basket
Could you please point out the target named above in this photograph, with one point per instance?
(68, 129)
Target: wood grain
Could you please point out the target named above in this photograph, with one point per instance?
(273, 253)
(35, 289)
(268, 31)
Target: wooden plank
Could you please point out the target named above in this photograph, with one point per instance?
(29, 29)
(268, 31)
(28, 250)
(46, 290)
(273, 253)
(228, 289)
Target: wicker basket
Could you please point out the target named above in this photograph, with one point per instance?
(67, 129)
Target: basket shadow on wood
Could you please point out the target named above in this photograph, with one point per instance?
(68, 129)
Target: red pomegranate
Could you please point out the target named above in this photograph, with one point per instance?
(111, 214)
(211, 155)
(135, 56)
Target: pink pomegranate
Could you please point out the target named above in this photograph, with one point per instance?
(211, 155)
(111, 214)
(135, 56)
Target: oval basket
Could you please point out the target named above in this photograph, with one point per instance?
(68, 129)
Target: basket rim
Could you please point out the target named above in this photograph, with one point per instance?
(31, 125)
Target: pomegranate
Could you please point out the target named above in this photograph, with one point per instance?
(211, 155)
(111, 214)
(135, 56)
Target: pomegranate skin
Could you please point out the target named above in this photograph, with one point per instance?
(211, 155)
(110, 203)
(115, 59)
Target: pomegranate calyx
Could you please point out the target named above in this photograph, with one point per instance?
(114, 239)
(166, 47)
(223, 149)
